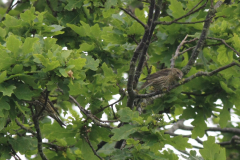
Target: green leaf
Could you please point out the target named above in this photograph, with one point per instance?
(96, 32)
(11, 21)
(87, 152)
(126, 114)
(2, 122)
(13, 43)
(91, 63)
(179, 142)
(223, 57)
(78, 30)
(108, 73)
(107, 149)
(51, 130)
(212, 151)
(199, 126)
(23, 92)
(236, 41)
(110, 3)
(23, 144)
(73, 4)
(225, 114)
(86, 47)
(225, 87)
(28, 45)
(28, 16)
(79, 63)
(6, 60)
(3, 105)
(45, 61)
(63, 72)
(2, 32)
(123, 132)
(177, 9)
(3, 76)
(99, 133)
(136, 29)
(7, 89)
(18, 68)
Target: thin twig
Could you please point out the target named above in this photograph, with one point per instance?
(24, 128)
(8, 10)
(180, 53)
(189, 13)
(88, 141)
(103, 108)
(171, 22)
(134, 17)
(49, 5)
(177, 52)
(223, 41)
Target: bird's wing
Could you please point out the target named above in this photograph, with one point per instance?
(145, 85)
(163, 72)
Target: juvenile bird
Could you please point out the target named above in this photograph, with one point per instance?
(49, 110)
(162, 79)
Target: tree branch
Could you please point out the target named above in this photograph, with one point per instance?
(202, 39)
(199, 74)
(189, 13)
(177, 52)
(134, 17)
(24, 128)
(88, 114)
(138, 51)
(39, 136)
(49, 5)
(142, 58)
(223, 41)
(168, 23)
(88, 141)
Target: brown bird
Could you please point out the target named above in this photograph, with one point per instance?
(49, 110)
(163, 79)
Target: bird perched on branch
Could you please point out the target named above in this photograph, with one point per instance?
(49, 110)
(162, 79)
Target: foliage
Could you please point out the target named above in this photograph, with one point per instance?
(79, 53)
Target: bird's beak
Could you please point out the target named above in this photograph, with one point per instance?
(180, 76)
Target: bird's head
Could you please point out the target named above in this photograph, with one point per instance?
(178, 73)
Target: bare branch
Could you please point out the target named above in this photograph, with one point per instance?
(180, 53)
(177, 52)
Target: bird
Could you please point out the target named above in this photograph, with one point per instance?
(49, 110)
(162, 79)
